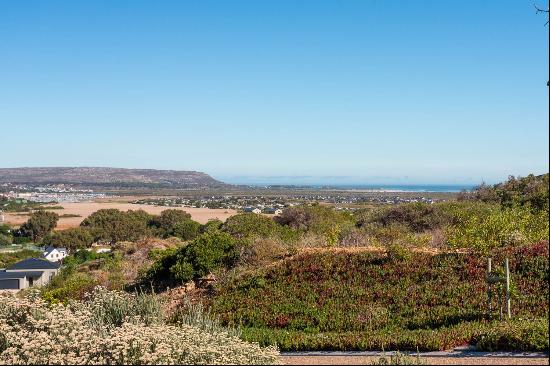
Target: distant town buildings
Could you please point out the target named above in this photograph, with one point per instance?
(47, 193)
(275, 204)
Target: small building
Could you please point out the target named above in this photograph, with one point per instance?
(27, 273)
(273, 211)
(98, 248)
(55, 254)
(253, 210)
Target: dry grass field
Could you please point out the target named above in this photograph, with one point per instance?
(81, 210)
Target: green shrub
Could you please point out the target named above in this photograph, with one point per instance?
(72, 239)
(39, 224)
(417, 217)
(9, 258)
(208, 252)
(398, 253)
(113, 308)
(420, 217)
(68, 285)
(502, 227)
(515, 335)
(167, 220)
(197, 315)
(112, 225)
(530, 192)
(250, 225)
(21, 240)
(5, 240)
(5, 229)
(186, 230)
(211, 225)
(315, 219)
(182, 271)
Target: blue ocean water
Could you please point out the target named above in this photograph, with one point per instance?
(408, 187)
(453, 188)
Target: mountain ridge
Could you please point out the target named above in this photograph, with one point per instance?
(108, 176)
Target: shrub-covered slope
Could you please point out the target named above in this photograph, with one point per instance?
(362, 300)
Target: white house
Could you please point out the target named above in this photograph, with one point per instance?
(253, 210)
(55, 254)
(27, 273)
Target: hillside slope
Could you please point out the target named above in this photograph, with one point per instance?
(369, 301)
(108, 177)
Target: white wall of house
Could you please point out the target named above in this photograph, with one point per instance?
(46, 277)
(55, 255)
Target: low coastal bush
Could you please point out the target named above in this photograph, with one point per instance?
(500, 228)
(208, 252)
(9, 258)
(196, 315)
(517, 335)
(33, 332)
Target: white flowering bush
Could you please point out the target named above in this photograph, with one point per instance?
(92, 332)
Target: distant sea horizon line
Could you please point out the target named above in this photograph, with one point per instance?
(396, 188)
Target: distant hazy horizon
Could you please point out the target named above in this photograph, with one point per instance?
(379, 92)
(355, 182)
(320, 182)
(450, 182)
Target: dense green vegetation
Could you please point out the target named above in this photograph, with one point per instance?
(530, 191)
(6, 235)
(72, 239)
(368, 300)
(39, 225)
(9, 258)
(76, 279)
(112, 225)
(203, 255)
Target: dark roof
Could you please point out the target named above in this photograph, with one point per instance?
(5, 275)
(33, 263)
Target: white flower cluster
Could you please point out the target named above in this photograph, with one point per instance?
(34, 332)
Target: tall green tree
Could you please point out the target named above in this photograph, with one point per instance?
(72, 239)
(167, 219)
(39, 225)
(112, 225)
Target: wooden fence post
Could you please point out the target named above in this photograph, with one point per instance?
(508, 305)
(489, 294)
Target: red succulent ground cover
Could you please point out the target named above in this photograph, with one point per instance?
(368, 300)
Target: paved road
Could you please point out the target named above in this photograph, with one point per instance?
(455, 357)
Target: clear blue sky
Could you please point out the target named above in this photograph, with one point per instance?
(360, 91)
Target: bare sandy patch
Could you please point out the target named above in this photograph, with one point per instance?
(367, 360)
(85, 209)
